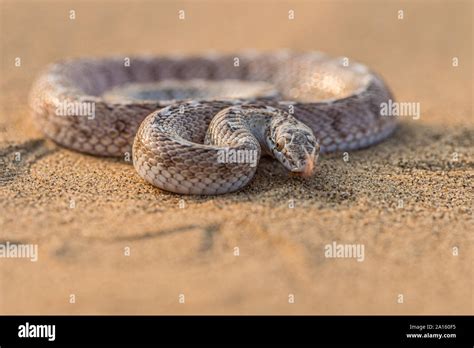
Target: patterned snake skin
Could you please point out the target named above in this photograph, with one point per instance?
(198, 125)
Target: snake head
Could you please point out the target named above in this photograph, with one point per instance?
(296, 148)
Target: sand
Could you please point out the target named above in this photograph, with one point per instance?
(407, 201)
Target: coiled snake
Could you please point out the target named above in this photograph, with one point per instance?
(198, 125)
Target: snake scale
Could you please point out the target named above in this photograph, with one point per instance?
(199, 124)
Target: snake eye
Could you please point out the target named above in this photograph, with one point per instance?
(280, 144)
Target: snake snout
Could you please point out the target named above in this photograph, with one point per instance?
(306, 167)
(302, 153)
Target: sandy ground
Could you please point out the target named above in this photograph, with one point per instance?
(407, 200)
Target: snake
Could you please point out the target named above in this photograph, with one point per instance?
(199, 124)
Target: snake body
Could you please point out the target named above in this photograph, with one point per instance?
(198, 125)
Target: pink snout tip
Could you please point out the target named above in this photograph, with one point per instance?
(309, 169)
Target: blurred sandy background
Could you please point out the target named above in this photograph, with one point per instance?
(190, 251)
